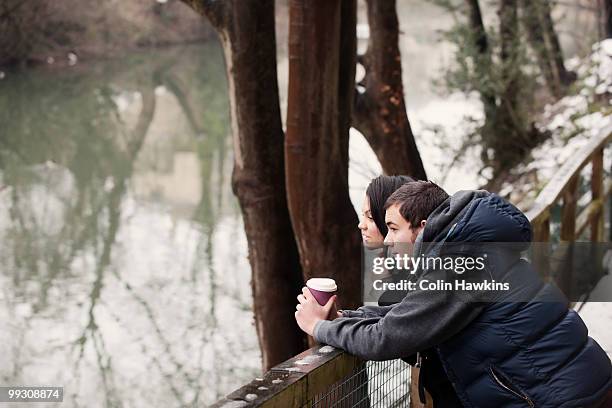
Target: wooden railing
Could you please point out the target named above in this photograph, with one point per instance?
(297, 381)
(325, 377)
(564, 185)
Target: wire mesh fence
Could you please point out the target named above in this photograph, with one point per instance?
(374, 384)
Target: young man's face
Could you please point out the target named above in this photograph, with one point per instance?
(401, 235)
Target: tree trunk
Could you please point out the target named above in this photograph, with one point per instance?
(477, 26)
(321, 84)
(380, 110)
(483, 65)
(510, 64)
(533, 27)
(510, 140)
(606, 17)
(545, 43)
(565, 77)
(246, 29)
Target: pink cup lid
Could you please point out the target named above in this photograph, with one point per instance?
(322, 284)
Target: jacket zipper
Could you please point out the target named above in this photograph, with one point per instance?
(524, 397)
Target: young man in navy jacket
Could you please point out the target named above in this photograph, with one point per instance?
(524, 347)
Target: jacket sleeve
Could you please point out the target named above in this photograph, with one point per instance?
(368, 311)
(422, 320)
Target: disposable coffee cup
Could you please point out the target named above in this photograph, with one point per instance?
(322, 289)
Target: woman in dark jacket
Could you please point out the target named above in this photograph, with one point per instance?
(373, 230)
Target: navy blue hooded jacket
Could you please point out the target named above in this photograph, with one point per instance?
(505, 353)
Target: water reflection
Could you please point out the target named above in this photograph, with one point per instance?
(124, 274)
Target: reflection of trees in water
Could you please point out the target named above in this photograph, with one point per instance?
(34, 140)
(91, 330)
(88, 137)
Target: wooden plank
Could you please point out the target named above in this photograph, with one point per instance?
(541, 227)
(415, 401)
(561, 267)
(226, 403)
(597, 193)
(287, 384)
(320, 379)
(541, 237)
(292, 396)
(586, 216)
(273, 389)
(538, 213)
(309, 360)
(297, 381)
(568, 211)
(568, 234)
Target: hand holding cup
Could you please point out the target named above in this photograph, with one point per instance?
(317, 302)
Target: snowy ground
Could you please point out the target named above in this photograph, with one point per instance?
(572, 121)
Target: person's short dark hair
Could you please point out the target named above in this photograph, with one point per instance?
(417, 200)
(378, 191)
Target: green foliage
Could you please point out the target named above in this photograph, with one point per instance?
(471, 71)
(501, 73)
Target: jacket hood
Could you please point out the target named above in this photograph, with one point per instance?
(476, 216)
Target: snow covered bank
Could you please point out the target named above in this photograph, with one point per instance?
(573, 120)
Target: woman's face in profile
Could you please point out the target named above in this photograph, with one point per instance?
(370, 234)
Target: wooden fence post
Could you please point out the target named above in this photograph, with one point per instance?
(597, 193)
(541, 238)
(568, 235)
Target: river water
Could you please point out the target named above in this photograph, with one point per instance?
(124, 273)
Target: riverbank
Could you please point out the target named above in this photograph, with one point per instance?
(63, 33)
